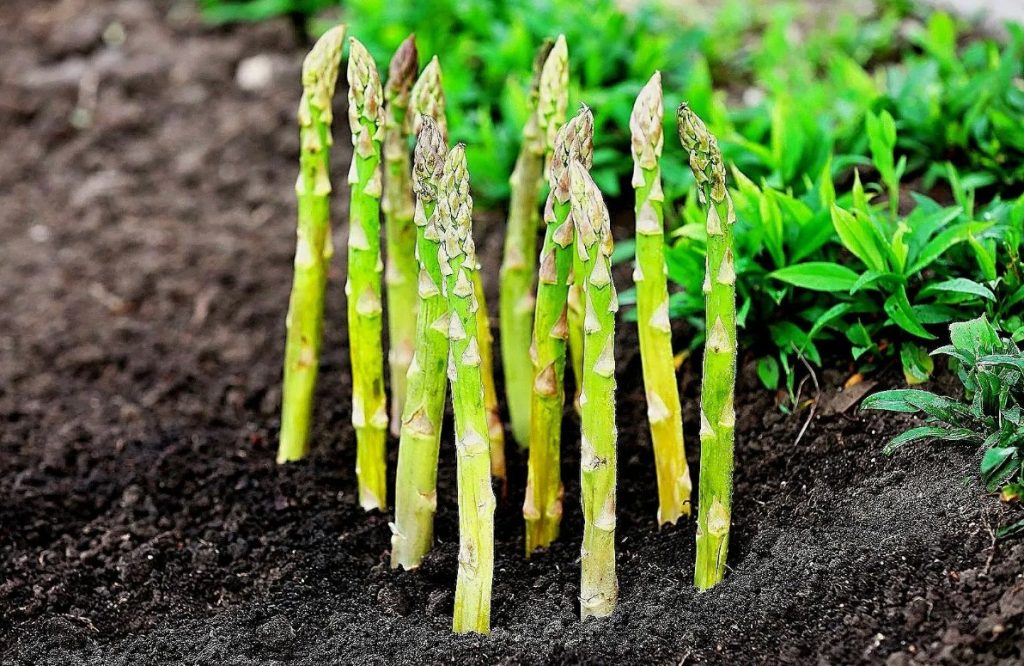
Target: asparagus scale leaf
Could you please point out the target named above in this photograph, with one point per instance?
(655, 331)
(416, 476)
(457, 257)
(542, 508)
(592, 268)
(401, 270)
(363, 289)
(313, 248)
(717, 414)
(516, 299)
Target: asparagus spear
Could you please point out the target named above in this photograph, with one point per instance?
(313, 248)
(575, 313)
(592, 267)
(416, 477)
(428, 100)
(717, 416)
(663, 409)
(542, 508)
(363, 289)
(548, 101)
(476, 499)
(399, 231)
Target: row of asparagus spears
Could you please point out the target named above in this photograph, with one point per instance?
(556, 306)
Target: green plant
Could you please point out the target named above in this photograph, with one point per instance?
(476, 499)
(717, 414)
(313, 246)
(416, 476)
(592, 268)
(542, 508)
(363, 289)
(991, 370)
(655, 330)
(548, 101)
(399, 230)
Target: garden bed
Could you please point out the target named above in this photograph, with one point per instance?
(146, 265)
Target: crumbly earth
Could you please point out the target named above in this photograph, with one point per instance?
(146, 234)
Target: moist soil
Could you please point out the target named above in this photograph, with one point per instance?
(146, 238)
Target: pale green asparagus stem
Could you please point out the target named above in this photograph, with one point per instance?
(663, 409)
(476, 499)
(542, 508)
(363, 289)
(313, 247)
(399, 231)
(575, 300)
(592, 267)
(494, 426)
(548, 101)
(416, 478)
(717, 416)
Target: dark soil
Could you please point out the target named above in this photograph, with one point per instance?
(145, 258)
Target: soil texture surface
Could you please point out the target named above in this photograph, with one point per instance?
(146, 240)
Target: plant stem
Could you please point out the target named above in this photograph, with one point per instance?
(542, 508)
(592, 268)
(495, 429)
(416, 477)
(663, 408)
(313, 248)
(575, 301)
(369, 409)
(717, 415)
(401, 270)
(476, 499)
(516, 300)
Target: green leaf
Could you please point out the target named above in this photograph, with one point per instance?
(818, 276)
(768, 372)
(928, 432)
(1011, 530)
(918, 366)
(997, 465)
(898, 308)
(859, 237)
(976, 337)
(907, 401)
(960, 286)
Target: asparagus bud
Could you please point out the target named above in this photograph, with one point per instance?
(399, 231)
(476, 499)
(548, 101)
(313, 247)
(542, 508)
(427, 99)
(363, 289)
(592, 267)
(416, 477)
(663, 408)
(717, 416)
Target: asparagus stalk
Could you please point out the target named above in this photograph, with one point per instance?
(416, 477)
(495, 429)
(313, 248)
(542, 508)
(548, 102)
(476, 499)
(401, 271)
(663, 409)
(592, 268)
(717, 416)
(363, 289)
(575, 301)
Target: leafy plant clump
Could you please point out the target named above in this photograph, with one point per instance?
(991, 369)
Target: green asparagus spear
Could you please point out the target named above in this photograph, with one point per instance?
(363, 289)
(663, 410)
(416, 478)
(476, 499)
(399, 231)
(313, 249)
(592, 269)
(548, 101)
(542, 508)
(717, 416)
(575, 319)
(427, 99)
